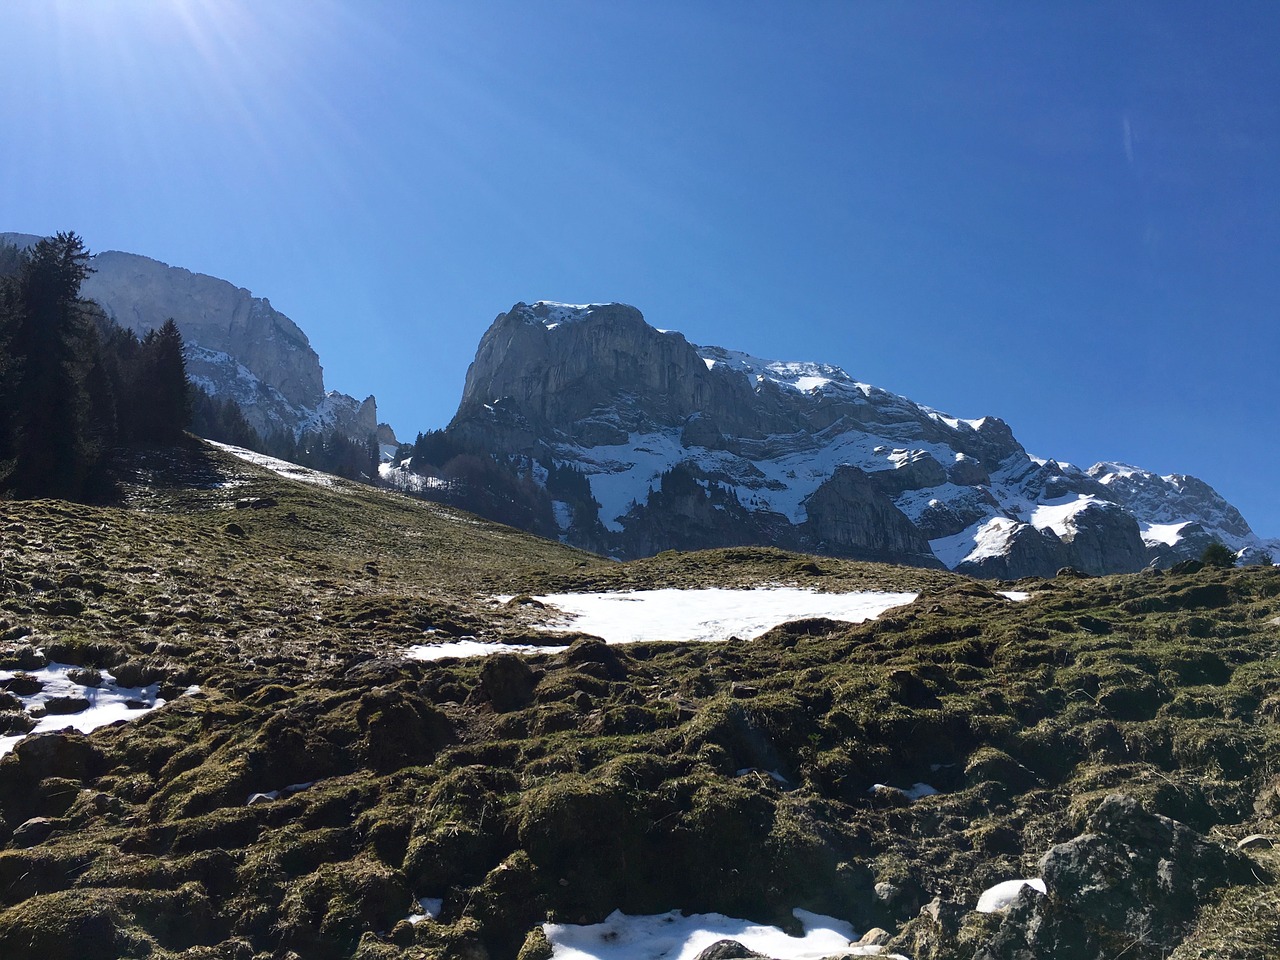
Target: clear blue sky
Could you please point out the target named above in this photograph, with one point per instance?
(1065, 214)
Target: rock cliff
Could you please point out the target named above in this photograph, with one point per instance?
(802, 455)
(238, 345)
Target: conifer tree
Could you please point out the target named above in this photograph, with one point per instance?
(49, 454)
(165, 393)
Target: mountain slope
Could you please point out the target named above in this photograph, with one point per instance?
(803, 456)
(323, 794)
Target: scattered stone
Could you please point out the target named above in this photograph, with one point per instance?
(875, 937)
(32, 832)
(1255, 841)
(255, 503)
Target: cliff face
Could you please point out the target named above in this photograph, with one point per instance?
(140, 294)
(803, 456)
(238, 345)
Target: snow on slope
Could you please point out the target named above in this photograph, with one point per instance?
(283, 467)
(704, 615)
(675, 936)
(99, 705)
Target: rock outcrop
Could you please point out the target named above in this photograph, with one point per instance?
(1133, 882)
(801, 455)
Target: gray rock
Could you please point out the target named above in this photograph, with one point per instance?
(559, 384)
(875, 937)
(728, 950)
(849, 516)
(1027, 552)
(238, 345)
(1135, 878)
(33, 831)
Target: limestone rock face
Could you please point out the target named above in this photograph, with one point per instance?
(801, 455)
(850, 516)
(238, 345)
(140, 293)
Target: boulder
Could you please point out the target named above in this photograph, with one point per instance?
(32, 831)
(1134, 878)
(728, 950)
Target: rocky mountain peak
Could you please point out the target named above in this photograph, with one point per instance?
(800, 454)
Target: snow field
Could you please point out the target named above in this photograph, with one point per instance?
(690, 616)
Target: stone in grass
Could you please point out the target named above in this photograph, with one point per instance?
(32, 832)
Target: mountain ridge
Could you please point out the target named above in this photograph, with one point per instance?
(596, 388)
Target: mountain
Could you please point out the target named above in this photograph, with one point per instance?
(238, 346)
(688, 447)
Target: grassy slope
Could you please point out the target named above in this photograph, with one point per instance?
(603, 778)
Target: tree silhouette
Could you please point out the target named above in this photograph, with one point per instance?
(49, 450)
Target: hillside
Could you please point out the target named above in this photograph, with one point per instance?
(310, 789)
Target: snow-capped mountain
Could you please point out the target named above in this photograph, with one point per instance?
(687, 446)
(238, 345)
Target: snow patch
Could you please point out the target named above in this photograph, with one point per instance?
(1058, 517)
(430, 907)
(471, 647)
(1000, 897)
(284, 468)
(913, 792)
(1166, 533)
(673, 936)
(107, 703)
(712, 614)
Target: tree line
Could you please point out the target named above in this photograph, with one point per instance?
(73, 384)
(76, 386)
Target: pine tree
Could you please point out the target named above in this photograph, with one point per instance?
(165, 392)
(50, 453)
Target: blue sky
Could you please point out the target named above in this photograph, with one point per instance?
(1063, 214)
